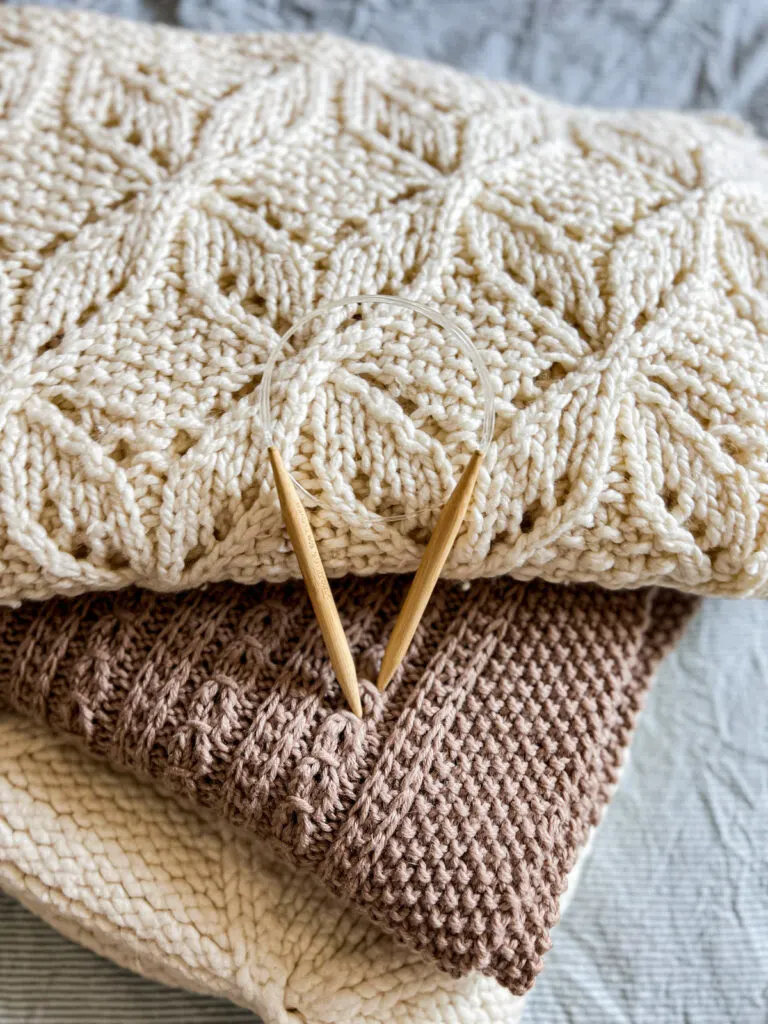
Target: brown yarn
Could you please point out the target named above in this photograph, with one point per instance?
(452, 813)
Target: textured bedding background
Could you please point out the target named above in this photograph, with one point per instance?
(670, 922)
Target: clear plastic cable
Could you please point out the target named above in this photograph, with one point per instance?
(461, 339)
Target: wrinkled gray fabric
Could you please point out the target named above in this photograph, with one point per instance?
(670, 53)
(136, 10)
(670, 922)
(45, 979)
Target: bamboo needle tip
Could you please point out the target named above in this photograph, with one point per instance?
(385, 675)
(316, 581)
(352, 693)
(437, 551)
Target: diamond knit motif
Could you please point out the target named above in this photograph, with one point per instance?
(172, 202)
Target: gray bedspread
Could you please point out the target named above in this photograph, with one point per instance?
(670, 923)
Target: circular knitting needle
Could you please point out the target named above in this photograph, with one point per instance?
(442, 540)
(303, 542)
(428, 573)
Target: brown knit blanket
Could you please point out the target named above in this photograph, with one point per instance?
(452, 813)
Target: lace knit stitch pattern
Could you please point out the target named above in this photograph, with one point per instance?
(451, 813)
(171, 203)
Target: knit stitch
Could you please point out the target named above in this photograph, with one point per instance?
(451, 813)
(170, 203)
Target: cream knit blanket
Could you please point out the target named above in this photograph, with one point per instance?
(170, 203)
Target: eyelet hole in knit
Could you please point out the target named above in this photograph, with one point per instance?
(702, 534)
(53, 342)
(182, 442)
(116, 289)
(247, 389)
(81, 549)
(420, 535)
(409, 193)
(194, 555)
(116, 561)
(121, 452)
(344, 230)
(574, 232)
(272, 218)
(551, 375)
(670, 499)
(529, 517)
(58, 240)
(227, 283)
(361, 485)
(408, 406)
(86, 315)
(161, 158)
(222, 526)
(64, 405)
(350, 322)
(680, 276)
(256, 305)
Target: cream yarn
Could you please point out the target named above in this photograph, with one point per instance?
(149, 884)
(171, 202)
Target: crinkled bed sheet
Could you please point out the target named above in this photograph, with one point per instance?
(670, 923)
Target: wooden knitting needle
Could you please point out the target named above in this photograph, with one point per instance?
(428, 573)
(316, 581)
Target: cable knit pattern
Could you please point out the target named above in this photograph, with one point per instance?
(188, 901)
(171, 202)
(451, 813)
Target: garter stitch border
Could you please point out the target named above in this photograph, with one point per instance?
(171, 202)
(452, 813)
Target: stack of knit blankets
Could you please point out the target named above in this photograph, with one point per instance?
(170, 204)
